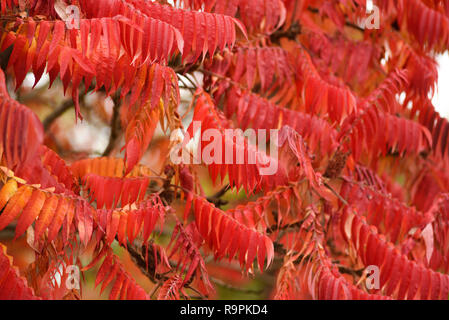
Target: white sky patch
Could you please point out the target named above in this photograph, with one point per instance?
(441, 97)
(29, 80)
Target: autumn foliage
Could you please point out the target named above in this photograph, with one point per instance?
(362, 175)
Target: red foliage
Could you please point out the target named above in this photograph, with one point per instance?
(361, 177)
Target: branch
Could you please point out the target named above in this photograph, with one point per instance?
(215, 199)
(354, 273)
(155, 278)
(221, 77)
(59, 111)
(290, 33)
(347, 23)
(141, 263)
(294, 225)
(115, 126)
(336, 194)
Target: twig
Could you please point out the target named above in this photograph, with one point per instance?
(355, 273)
(59, 111)
(115, 126)
(233, 288)
(185, 86)
(156, 278)
(219, 76)
(294, 225)
(215, 199)
(182, 69)
(290, 33)
(191, 81)
(141, 263)
(347, 23)
(336, 194)
(155, 288)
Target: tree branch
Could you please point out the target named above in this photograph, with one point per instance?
(59, 111)
(156, 278)
(115, 126)
(290, 33)
(215, 199)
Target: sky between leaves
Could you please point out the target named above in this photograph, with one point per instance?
(441, 98)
